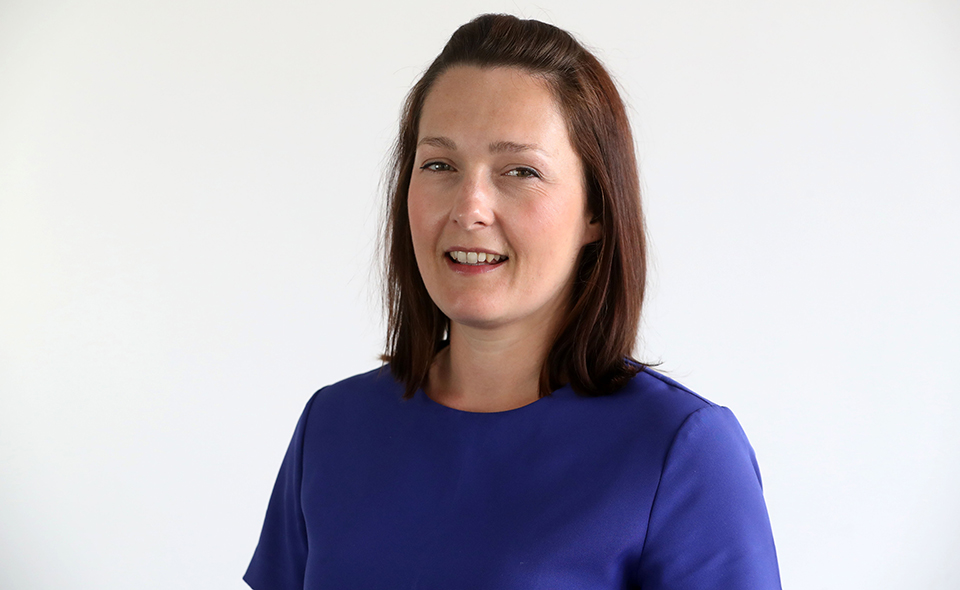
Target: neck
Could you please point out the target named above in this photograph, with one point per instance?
(489, 371)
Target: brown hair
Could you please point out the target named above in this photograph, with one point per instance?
(597, 336)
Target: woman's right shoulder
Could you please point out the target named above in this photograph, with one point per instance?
(372, 388)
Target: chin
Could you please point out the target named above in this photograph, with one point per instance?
(479, 323)
(474, 316)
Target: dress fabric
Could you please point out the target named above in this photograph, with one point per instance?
(651, 487)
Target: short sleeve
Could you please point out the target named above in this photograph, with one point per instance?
(708, 527)
(280, 558)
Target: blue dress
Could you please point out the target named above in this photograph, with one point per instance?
(651, 487)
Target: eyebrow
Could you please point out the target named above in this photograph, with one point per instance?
(438, 142)
(513, 147)
(496, 147)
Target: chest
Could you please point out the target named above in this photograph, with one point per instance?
(475, 505)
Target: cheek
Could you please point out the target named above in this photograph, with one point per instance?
(557, 224)
(415, 212)
(422, 222)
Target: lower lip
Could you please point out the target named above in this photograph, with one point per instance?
(472, 269)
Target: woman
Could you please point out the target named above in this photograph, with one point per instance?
(511, 441)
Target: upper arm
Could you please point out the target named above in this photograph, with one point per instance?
(708, 526)
(279, 561)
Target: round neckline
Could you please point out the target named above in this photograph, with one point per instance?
(526, 407)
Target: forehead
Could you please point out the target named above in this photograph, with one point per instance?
(500, 103)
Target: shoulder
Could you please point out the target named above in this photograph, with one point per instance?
(700, 435)
(354, 397)
(373, 383)
(655, 388)
(709, 489)
(657, 400)
(375, 379)
(687, 413)
(642, 419)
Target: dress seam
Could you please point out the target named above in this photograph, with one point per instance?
(663, 468)
(303, 443)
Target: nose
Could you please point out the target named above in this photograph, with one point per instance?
(473, 206)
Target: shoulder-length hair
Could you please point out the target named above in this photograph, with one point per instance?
(593, 347)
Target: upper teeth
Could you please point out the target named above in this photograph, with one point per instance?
(475, 257)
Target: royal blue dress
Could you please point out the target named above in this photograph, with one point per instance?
(651, 487)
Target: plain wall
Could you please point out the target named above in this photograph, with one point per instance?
(189, 198)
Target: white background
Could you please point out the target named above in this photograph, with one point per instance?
(188, 214)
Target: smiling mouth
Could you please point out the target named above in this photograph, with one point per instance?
(475, 258)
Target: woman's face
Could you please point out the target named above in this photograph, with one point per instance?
(497, 202)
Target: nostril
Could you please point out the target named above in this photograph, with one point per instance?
(470, 215)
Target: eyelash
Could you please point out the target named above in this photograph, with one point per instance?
(522, 171)
(430, 166)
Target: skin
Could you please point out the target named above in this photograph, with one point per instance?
(495, 171)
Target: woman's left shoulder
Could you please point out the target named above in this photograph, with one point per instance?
(652, 393)
(709, 488)
(667, 411)
(652, 383)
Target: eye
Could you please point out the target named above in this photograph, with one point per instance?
(437, 167)
(523, 172)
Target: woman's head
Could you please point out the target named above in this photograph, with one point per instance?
(596, 329)
(496, 176)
